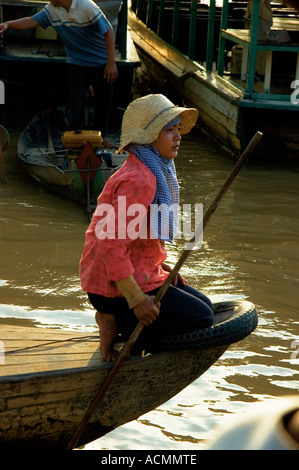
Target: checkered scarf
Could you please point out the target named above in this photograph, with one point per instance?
(167, 188)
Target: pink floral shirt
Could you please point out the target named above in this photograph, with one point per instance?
(109, 259)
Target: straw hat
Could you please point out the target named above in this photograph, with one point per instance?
(145, 117)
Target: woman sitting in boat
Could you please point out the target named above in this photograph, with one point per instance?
(121, 269)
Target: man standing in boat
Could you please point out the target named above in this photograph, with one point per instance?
(88, 38)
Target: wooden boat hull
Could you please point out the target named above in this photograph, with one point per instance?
(48, 381)
(224, 114)
(45, 159)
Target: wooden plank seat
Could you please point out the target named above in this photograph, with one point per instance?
(242, 37)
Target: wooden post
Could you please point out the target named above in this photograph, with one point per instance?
(161, 18)
(4, 140)
(124, 27)
(268, 68)
(192, 31)
(222, 40)
(175, 23)
(149, 14)
(139, 8)
(254, 30)
(210, 39)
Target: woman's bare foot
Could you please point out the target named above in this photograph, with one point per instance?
(108, 335)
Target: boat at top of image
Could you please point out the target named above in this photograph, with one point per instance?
(34, 72)
(206, 55)
(49, 377)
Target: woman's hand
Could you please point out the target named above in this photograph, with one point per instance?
(147, 311)
(178, 276)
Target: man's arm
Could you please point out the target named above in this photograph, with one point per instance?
(111, 72)
(20, 24)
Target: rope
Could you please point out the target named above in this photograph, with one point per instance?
(80, 338)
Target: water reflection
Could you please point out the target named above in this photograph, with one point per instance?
(250, 251)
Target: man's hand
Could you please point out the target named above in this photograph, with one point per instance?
(111, 72)
(3, 27)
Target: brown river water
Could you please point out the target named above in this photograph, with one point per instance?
(250, 251)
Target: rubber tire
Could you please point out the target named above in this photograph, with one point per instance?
(242, 321)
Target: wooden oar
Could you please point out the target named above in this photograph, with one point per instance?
(131, 341)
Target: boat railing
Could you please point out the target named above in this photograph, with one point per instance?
(190, 26)
(257, 87)
(207, 34)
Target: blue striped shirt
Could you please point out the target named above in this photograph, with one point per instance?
(81, 31)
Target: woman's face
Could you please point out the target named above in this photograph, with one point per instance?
(168, 142)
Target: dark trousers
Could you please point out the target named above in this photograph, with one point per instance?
(183, 309)
(80, 80)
